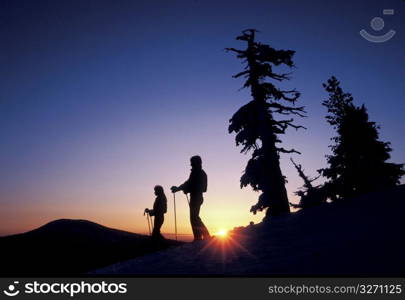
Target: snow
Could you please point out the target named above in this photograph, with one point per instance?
(360, 237)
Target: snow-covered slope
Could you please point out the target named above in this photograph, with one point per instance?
(363, 236)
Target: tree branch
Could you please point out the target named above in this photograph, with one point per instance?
(236, 50)
(282, 150)
(285, 110)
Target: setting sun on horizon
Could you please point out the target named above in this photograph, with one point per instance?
(221, 233)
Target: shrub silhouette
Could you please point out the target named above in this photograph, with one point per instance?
(309, 194)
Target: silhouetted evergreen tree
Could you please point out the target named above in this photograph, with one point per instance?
(255, 126)
(359, 161)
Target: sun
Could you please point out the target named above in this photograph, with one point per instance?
(222, 233)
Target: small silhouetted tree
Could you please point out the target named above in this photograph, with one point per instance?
(359, 163)
(255, 126)
(309, 194)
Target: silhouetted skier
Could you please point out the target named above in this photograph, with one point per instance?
(158, 211)
(196, 185)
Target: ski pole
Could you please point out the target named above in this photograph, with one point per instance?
(151, 222)
(147, 217)
(188, 200)
(175, 216)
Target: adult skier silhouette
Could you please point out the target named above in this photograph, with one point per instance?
(196, 185)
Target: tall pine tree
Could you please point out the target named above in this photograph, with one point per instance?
(255, 126)
(359, 163)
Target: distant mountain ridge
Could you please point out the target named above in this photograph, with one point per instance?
(71, 247)
(83, 227)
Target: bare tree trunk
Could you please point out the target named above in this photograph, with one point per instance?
(279, 203)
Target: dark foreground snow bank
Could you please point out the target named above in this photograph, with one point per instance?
(364, 236)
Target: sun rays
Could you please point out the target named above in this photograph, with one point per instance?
(226, 247)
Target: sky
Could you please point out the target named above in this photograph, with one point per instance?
(102, 100)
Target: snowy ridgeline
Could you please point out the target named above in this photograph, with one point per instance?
(362, 236)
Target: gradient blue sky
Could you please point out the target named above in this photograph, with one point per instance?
(101, 100)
